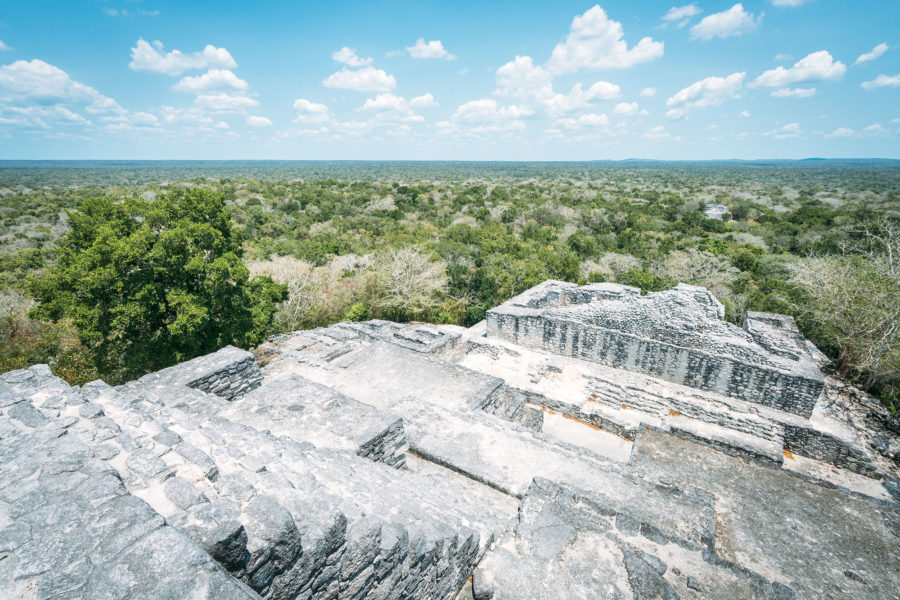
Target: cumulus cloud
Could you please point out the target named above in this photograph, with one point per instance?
(214, 79)
(840, 132)
(147, 57)
(225, 102)
(254, 121)
(711, 91)
(589, 120)
(648, 92)
(38, 82)
(487, 109)
(304, 105)
(745, 113)
(791, 130)
(366, 79)
(310, 112)
(881, 81)
(532, 85)
(390, 103)
(432, 49)
(349, 57)
(818, 66)
(424, 101)
(626, 109)
(794, 93)
(657, 133)
(729, 23)
(875, 53)
(596, 42)
(682, 14)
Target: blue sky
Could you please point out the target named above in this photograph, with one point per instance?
(449, 80)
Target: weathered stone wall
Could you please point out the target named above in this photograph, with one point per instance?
(828, 448)
(388, 447)
(570, 333)
(231, 382)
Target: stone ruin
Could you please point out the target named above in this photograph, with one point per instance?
(581, 443)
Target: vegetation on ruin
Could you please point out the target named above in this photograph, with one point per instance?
(438, 242)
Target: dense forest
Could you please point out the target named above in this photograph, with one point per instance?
(115, 269)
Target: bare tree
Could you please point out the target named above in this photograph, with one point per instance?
(856, 298)
(406, 279)
(697, 267)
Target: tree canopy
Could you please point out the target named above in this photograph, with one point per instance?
(151, 283)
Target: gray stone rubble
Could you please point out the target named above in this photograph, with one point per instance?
(512, 460)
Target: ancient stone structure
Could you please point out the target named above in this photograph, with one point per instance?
(678, 335)
(566, 448)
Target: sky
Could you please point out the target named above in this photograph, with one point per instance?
(453, 80)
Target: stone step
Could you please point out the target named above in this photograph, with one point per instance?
(69, 528)
(771, 521)
(296, 408)
(507, 458)
(324, 495)
(567, 545)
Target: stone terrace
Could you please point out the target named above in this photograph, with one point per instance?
(380, 460)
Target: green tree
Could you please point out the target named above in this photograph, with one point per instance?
(151, 283)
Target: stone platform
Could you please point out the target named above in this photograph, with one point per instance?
(382, 460)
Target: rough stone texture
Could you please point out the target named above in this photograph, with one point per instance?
(678, 335)
(70, 529)
(382, 460)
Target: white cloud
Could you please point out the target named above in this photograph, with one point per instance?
(4, 47)
(791, 130)
(676, 113)
(790, 3)
(874, 129)
(595, 42)
(389, 106)
(142, 118)
(840, 132)
(783, 56)
(311, 112)
(583, 121)
(146, 57)
(487, 109)
(657, 133)
(432, 49)
(349, 57)
(304, 105)
(794, 93)
(384, 102)
(648, 92)
(626, 109)
(711, 91)
(818, 66)
(732, 22)
(38, 82)
(225, 102)
(881, 81)
(682, 13)
(532, 85)
(745, 113)
(424, 101)
(214, 79)
(875, 53)
(254, 121)
(367, 79)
